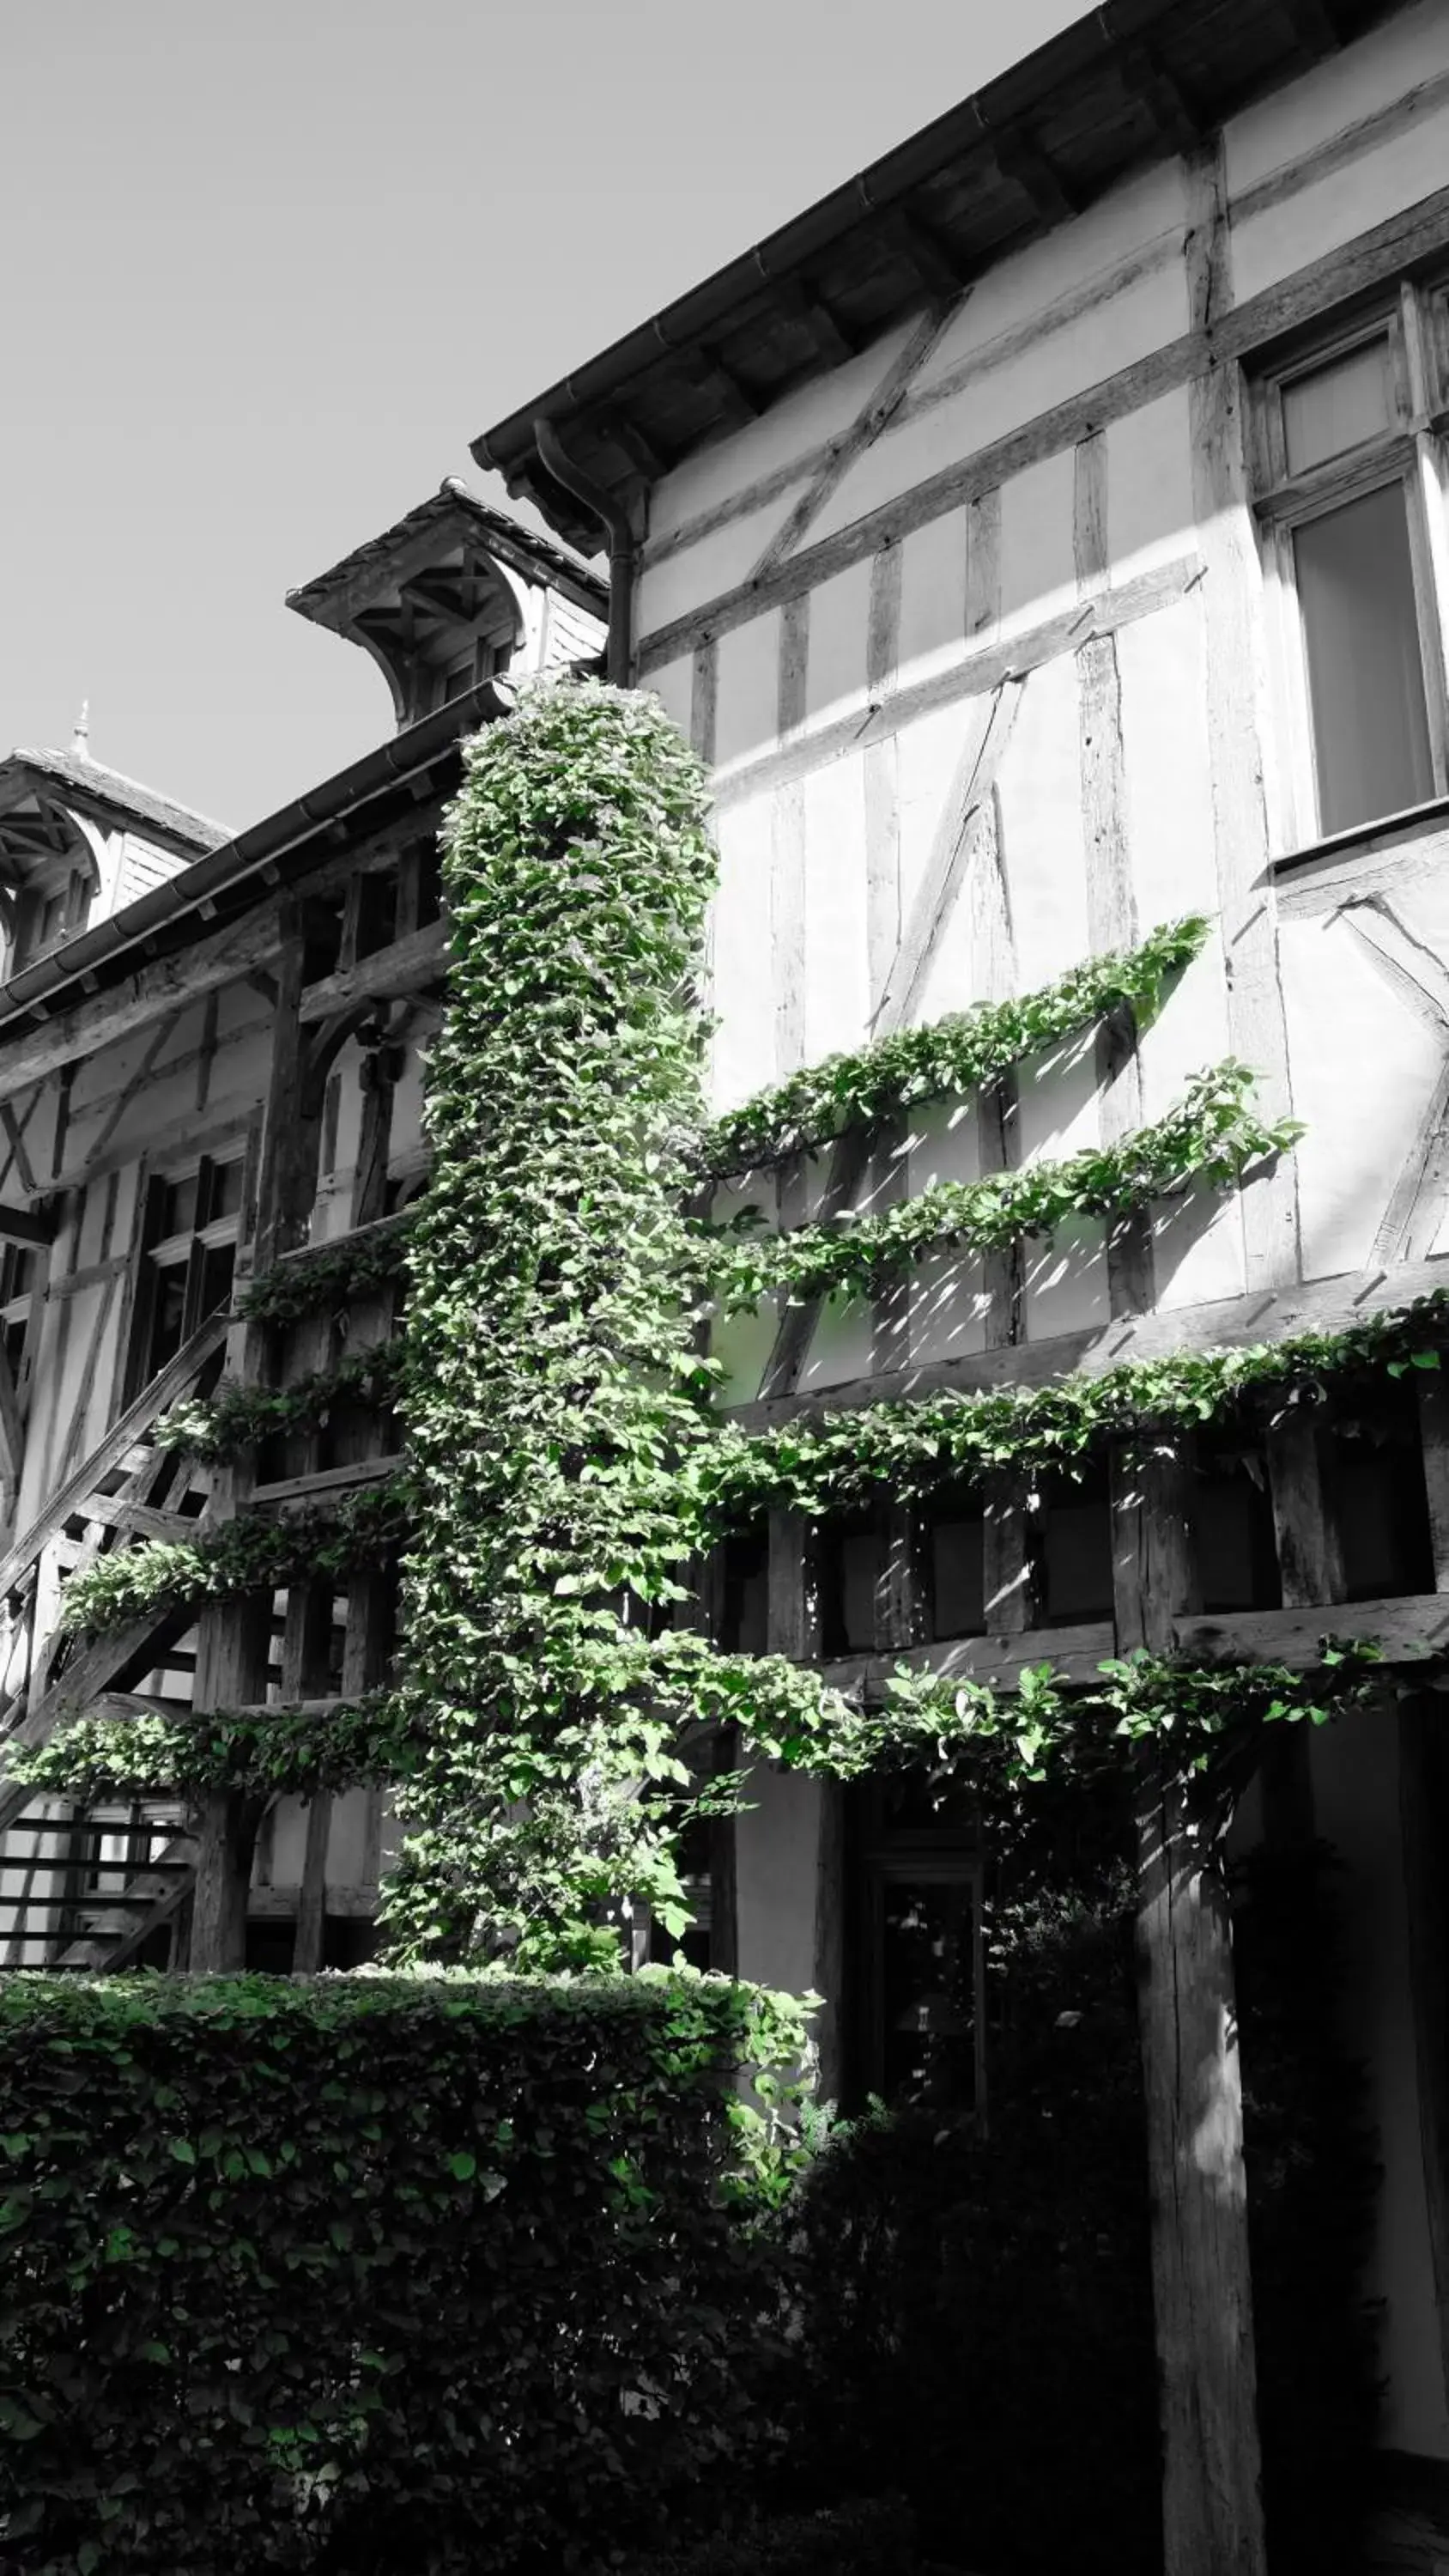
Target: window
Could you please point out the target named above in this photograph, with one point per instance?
(918, 1959)
(1346, 475)
(19, 1278)
(188, 1254)
(51, 909)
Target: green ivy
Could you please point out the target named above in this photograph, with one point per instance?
(294, 1750)
(334, 1274)
(825, 1461)
(552, 1384)
(957, 1053)
(550, 1730)
(255, 1552)
(237, 1417)
(1211, 1136)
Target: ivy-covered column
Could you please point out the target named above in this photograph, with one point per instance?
(553, 1390)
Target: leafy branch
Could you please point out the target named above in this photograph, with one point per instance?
(1211, 1136)
(237, 1417)
(331, 1274)
(821, 1462)
(254, 1552)
(957, 1053)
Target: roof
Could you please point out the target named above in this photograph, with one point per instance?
(332, 597)
(89, 782)
(230, 879)
(1131, 83)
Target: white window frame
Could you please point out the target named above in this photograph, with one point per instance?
(1409, 453)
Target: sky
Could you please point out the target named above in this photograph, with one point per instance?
(268, 270)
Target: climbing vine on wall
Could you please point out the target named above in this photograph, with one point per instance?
(1211, 1137)
(554, 1715)
(958, 1053)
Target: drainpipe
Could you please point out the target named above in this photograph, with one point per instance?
(623, 553)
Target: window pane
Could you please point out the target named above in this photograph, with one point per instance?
(1365, 676)
(166, 1318)
(226, 1190)
(1333, 408)
(178, 1207)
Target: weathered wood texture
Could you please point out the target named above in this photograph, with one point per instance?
(1201, 2273)
(234, 1637)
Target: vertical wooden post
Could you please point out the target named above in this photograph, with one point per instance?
(1232, 656)
(1201, 2276)
(900, 1592)
(1009, 1576)
(235, 1636)
(1310, 1571)
(227, 1832)
(793, 1628)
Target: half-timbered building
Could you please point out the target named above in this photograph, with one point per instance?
(1042, 537)
(209, 1057)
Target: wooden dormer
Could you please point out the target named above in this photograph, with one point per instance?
(79, 842)
(454, 594)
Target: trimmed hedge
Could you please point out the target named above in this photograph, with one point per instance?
(374, 2273)
(868, 2536)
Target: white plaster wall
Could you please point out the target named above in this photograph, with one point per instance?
(777, 1859)
(1363, 1069)
(790, 430)
(1038, 570)
(1407, 59)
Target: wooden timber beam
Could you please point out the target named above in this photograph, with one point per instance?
(404, 967)
(1212, 2506)
(1032, 170)
(936, 269)
(1147, 79)
(234, 1637)
(1315, 1305)
(802, 303)
(74, 1495)
(1408, 1627)
(153, 990)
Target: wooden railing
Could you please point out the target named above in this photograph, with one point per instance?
(127, 1488)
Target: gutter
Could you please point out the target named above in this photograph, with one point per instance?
(988, 113)
(613, 515)
(66, 978)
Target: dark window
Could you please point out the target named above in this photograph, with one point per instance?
(1377, 1496)
(1235, 1549)
(19, 1274)
(955, 1564)
(188, 1256)
(1075, 1551)
(746, 1585)
(852, 1555)
(916, 1954)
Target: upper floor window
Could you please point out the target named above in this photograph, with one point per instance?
(1348, 499)
(188, 1254)
(47, 911)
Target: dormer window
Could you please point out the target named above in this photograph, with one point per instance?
(454, 594)
(51, 909)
